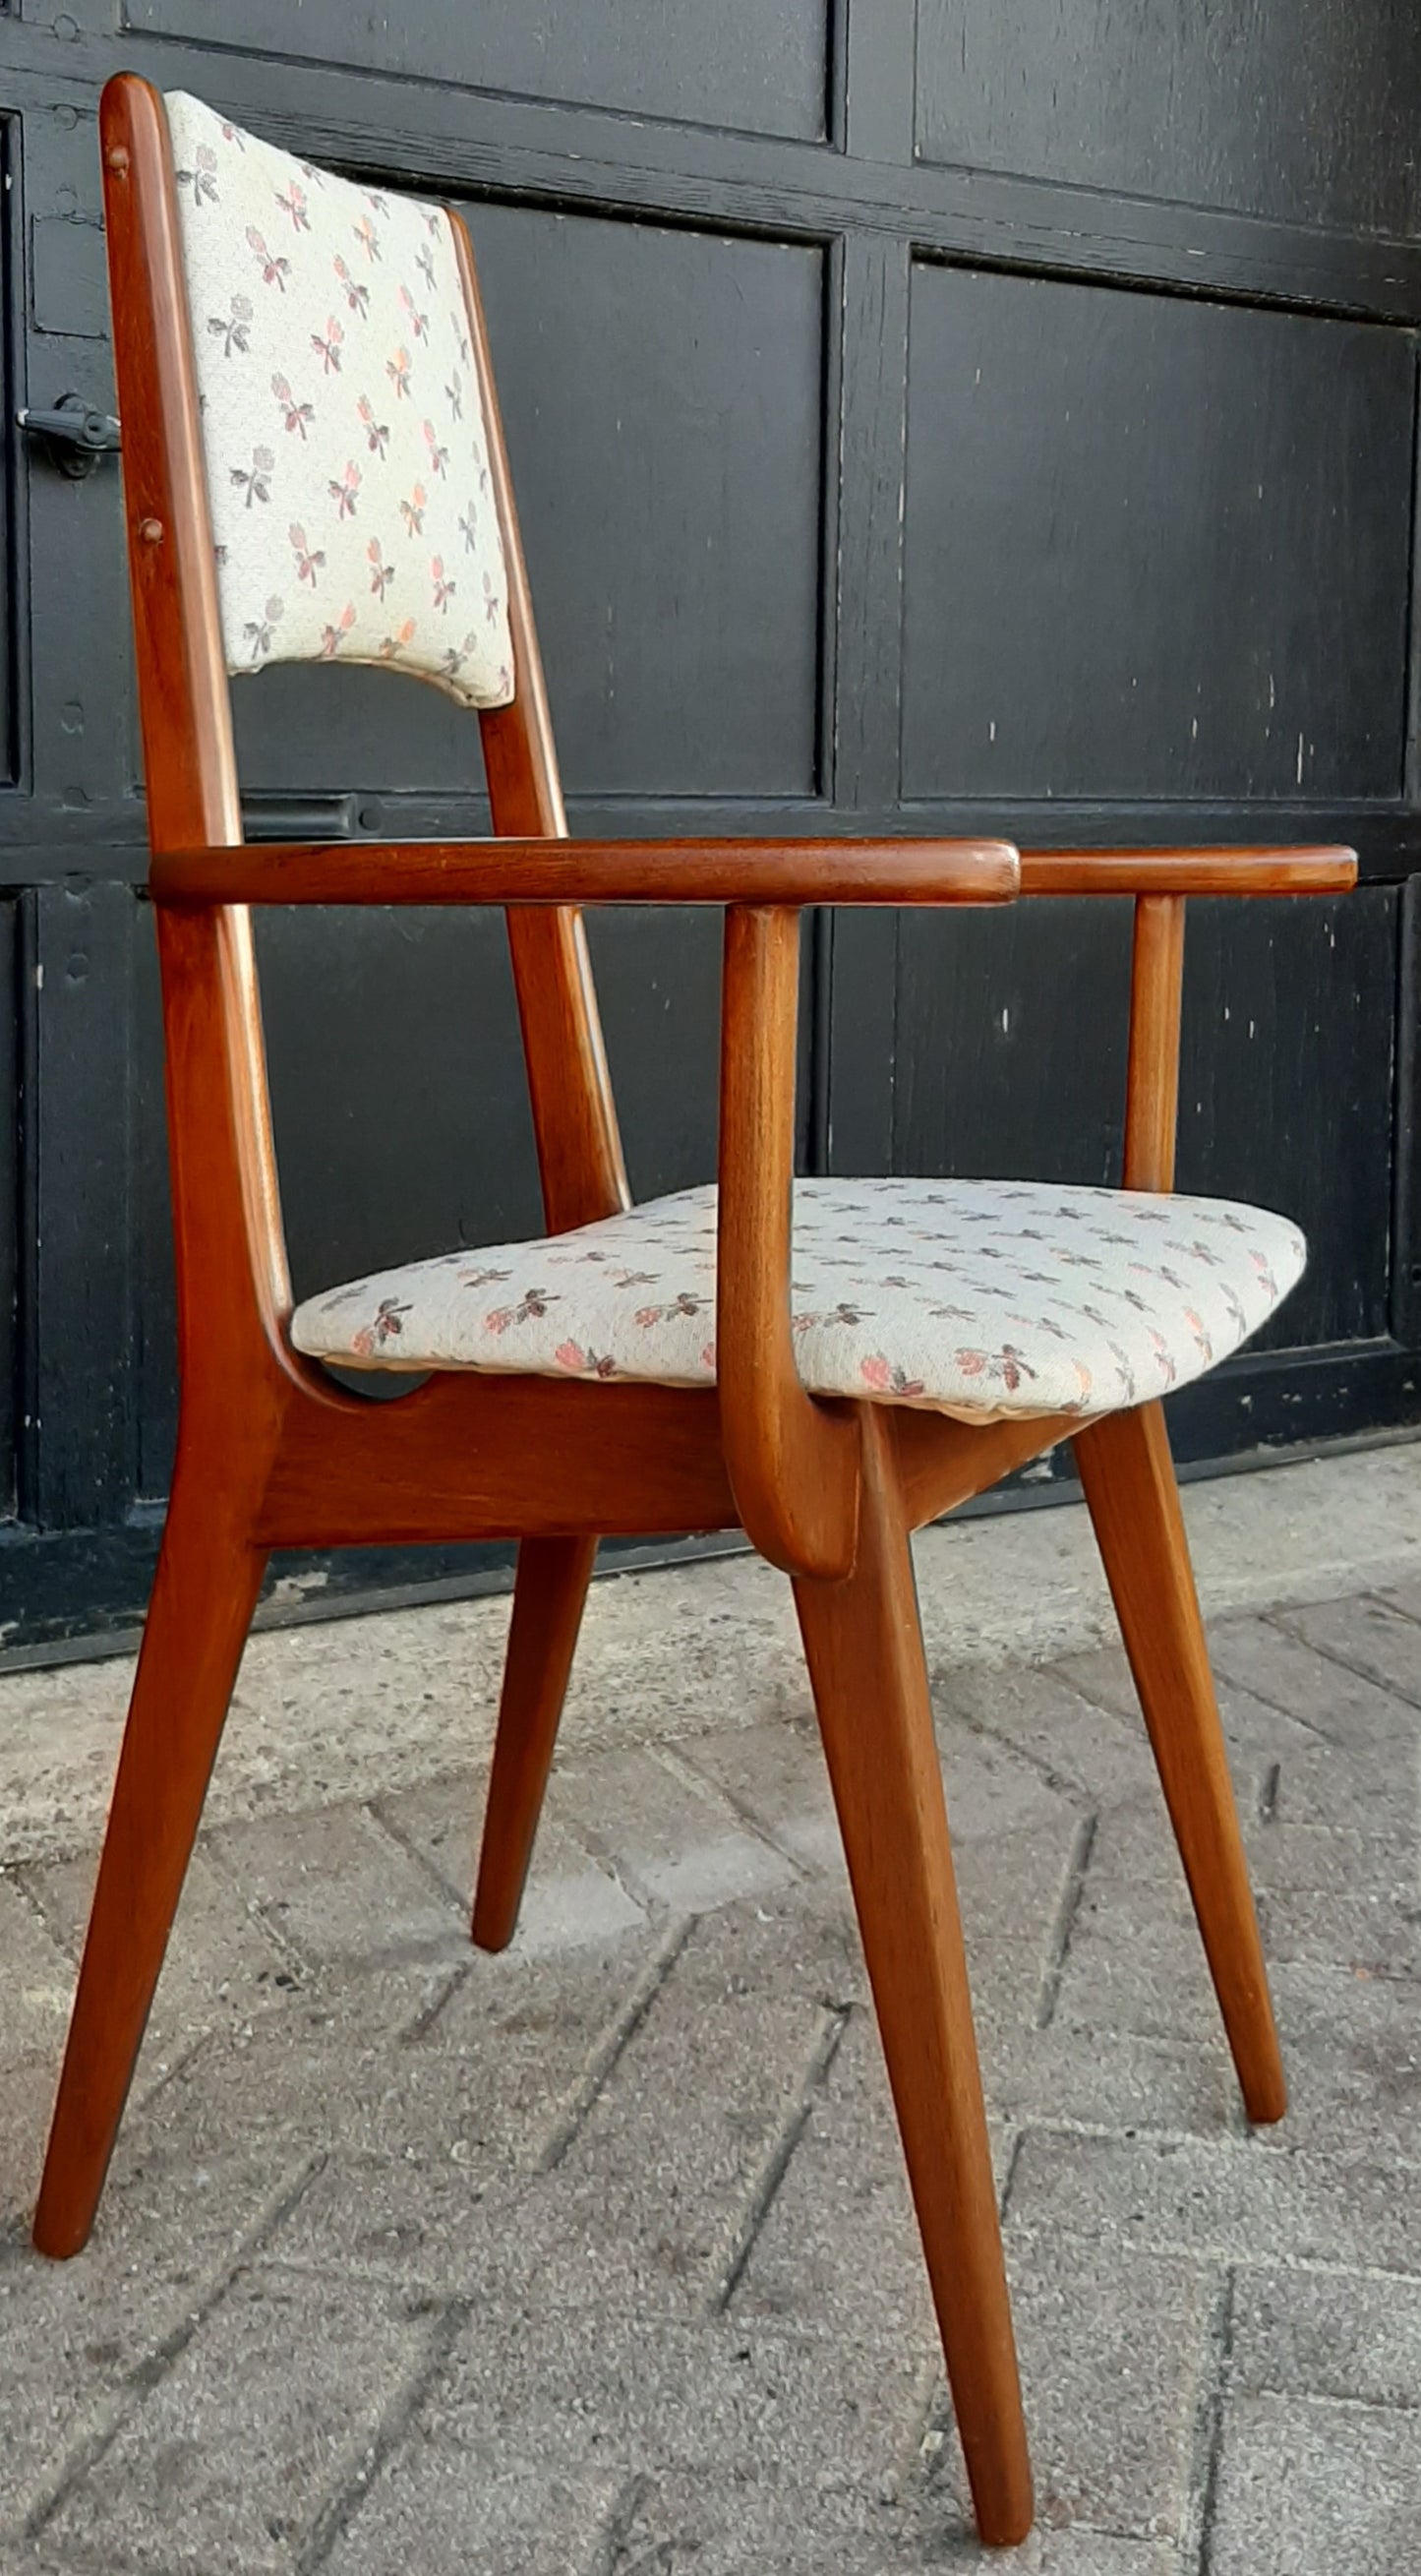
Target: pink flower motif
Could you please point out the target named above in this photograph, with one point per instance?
(275, 266)
(344, 490)
(327, 346)
(331, 635)
(309, 559)
(356, 293)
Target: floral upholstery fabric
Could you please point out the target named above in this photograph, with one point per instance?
(976, 1298)
(347, 466)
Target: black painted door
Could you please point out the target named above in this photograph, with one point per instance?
(935, 418)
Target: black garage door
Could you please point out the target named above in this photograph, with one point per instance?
(1005, 420)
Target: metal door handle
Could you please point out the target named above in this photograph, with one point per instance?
(74, 432)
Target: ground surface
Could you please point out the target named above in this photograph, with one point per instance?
(597, 2260)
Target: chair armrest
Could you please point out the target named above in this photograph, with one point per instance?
(508, 871)
(1180, 872)
(793, 1463)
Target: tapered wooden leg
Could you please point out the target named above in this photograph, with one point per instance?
(203, 1598)
(864, 1647)
(1129, 1481)
(548, 1595)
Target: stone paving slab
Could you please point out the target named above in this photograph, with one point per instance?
(597, 2259)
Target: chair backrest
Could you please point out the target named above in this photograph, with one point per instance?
(342, 423)
(314, 468)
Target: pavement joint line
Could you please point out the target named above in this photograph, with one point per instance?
(775, 2163)
(373, 1809)
(1182, 2250)
(1202, 2491)
(1017, 2142)
(1260, 2142)
(1280, 1620)
(1066, 1917)
(392, 2421)
(739, 1810)
(610, 2547)
(68, 1944)
(144, 2095)
(429, 2012)
(1264, 1699)
(972, 1723)
(1397, 1608)
(616, 2036)
(145, 2374)
(277, 1933)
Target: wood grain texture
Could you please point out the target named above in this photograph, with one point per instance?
(1128, 1475)
(941, 1463)
(473, 1455)
(1250, 871)
(209, 1575)
(548, 1596)
(1156, 1009)
(793, 1462)
(865, 1653)
(524, 871)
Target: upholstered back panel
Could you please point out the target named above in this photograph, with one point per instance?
(344, 435)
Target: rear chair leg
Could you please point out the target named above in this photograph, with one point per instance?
(204, 1594)
(548, 1594)
(864, 1648)
(1129, 1481)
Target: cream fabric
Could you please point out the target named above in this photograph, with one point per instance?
(977, 1298)
(347, 466)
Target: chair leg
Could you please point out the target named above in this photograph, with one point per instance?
(864, 1647)
(1129, 1481)
(548, 1595)
(203, 1597)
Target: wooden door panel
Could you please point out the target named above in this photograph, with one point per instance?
(1303, 113)
(710, 62)
(1153, 547)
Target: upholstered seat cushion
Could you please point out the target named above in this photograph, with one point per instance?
(977, 1298)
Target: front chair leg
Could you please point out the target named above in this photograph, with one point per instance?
(864, 1647)
(204, 1594)
(548, 1596)
(1128, 1475)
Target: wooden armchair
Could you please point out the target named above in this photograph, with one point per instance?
(657, 1369)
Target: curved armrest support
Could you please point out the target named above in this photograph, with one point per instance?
(514, 872)
(793, 1463)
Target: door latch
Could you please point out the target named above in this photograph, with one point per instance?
(74, 434)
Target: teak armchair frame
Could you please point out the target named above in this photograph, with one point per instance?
(271, 1453)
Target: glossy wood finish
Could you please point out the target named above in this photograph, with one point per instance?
(526, 872)
(1152, 1076)
(942, 1463)
(548, 1596)
(209, 1575)
(472, 1455)
(864, 1648)
(1159, 872)
(793, 1461)
(1128, 1475)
